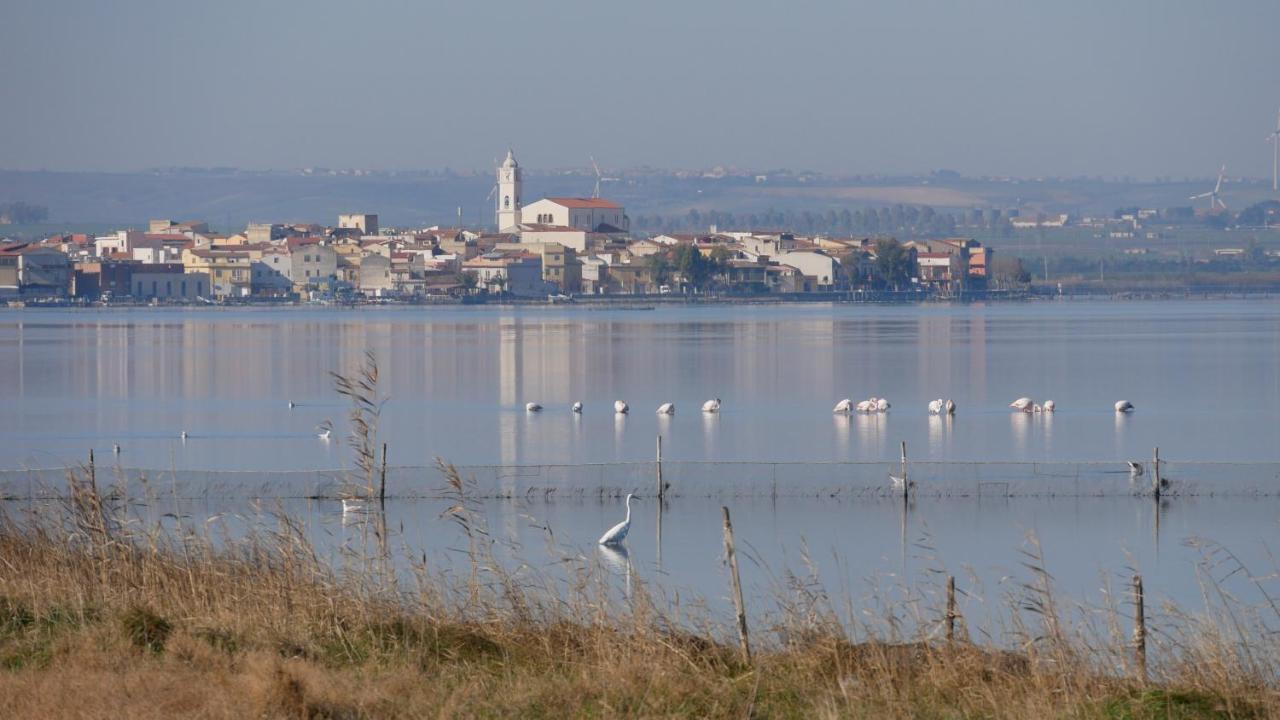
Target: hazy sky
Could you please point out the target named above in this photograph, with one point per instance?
(1094, 87)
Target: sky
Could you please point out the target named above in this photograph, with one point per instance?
(1141, 88)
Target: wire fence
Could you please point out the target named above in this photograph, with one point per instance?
(687, 479)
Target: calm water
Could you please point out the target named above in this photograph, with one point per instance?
(1204, 377)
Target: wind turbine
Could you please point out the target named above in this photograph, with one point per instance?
(1274, 139)
(596, 195)
(1215, 201)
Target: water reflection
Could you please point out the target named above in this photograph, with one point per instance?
(617, 559)
(1020, 428)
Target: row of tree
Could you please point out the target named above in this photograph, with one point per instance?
(21, 213)
(909, 221)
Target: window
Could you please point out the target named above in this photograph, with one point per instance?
(168, 288)
(183, 285)
(506, 202)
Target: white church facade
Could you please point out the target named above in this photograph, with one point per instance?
(587, 214)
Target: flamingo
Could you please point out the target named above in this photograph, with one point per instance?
(576, 407)
(1022, 404)
(950, 407)
(711, 406)
(618, 533)
(844, 406)
(533, 407)
(667, 409)
(1124, 406)
(621, 407)
(1049, 406)
(866, 406)
(935, 407)
(882, 405)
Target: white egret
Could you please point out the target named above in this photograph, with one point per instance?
(882, 405)
(533, 407)
(667, 409)
(1135, 468)
(1022, 404)
(1124, 406)
(950, 407)
(324, 429)
(576, 407)
(711, 406)
(1049, 406)
(621, 407)
(844, 406)
(618, 532)
(935, 407)
(351, 505)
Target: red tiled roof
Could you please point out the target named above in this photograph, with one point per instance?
(586, 203)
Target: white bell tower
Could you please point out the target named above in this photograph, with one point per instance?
(508, 193)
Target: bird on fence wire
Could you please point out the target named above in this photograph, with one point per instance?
(618, 532)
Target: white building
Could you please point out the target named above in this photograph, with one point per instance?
(593, 214)
(509, 182)
(366, 222)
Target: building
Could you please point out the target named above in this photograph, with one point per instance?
(366, 223)
(230, 273)
(36, 271)
(374, 275)
(311, 263)
(819, 270)
(593, 214)
(508, 198)
(157, 283)
(516, 273)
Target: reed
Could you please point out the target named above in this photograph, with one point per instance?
(103, 614)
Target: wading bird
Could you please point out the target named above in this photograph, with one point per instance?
(882, 405)
(620, 406)
(1049, 406)
(935, 406)
(576, 407)
(1022, 404)
(844, 406)
(618, 532)
(711, 406)
(950, 407)
(1124, 406)
(667, 409)
(533, 407)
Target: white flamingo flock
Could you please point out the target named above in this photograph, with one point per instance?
(872, 405)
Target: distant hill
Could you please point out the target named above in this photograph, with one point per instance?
(230, 198)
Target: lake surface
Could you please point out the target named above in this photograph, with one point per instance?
(1204, 375)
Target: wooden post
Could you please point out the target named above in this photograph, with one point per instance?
(1155, 474)
(906, 483)
(382, 484)
(93, 473)
(661, 489)
(951, 608)
(743, 642)
(1139, 628)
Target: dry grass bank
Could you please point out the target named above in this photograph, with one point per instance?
(101, 616)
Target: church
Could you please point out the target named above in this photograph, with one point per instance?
(584, 214)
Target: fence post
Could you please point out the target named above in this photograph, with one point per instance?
(1139, 628)
(906, 484)
(1155, 473)
(743, 642)
(951, 609)
(93, 473)
(382, 484)
(661, 488)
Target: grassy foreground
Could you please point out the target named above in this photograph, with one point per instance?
(101, 616)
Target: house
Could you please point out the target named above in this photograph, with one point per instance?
(272, 274)
(366, 223)
(374, 276)
(574, 238)
(35, 271)
(229, 271)
(516, 273)
(593, 214)
(168, 282)
(819, 270)
(311, 263)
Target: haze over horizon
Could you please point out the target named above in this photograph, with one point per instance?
(1143, 88)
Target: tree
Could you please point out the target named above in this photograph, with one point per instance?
(694, 269)
(659, 268)
(467, 279)
(893, 263)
